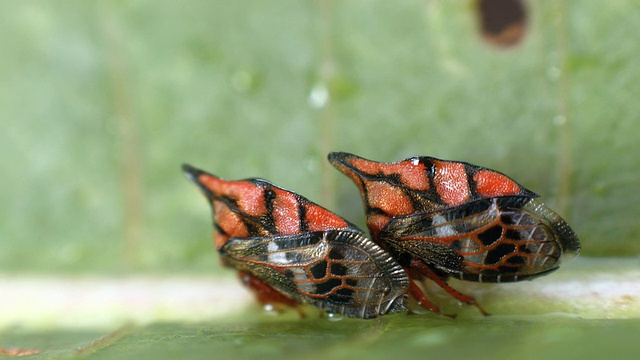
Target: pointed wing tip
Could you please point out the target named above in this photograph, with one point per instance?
(338, 156)
(340, 159)
(194, 174)
(191, 172)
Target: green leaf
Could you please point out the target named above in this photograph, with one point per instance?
(399, 335)
(587, 309)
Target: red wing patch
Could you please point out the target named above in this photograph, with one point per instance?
(451, 182)
(285, 211)
(319, 219)
(246, 196)
(411, 173)
(493, 184)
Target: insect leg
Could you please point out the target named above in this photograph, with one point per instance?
(426, 271)
(422, 299)
(266, 295)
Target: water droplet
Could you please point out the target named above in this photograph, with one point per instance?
(319, 96)
(269, 308)
(334, 316)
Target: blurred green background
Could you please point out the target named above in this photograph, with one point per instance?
(101, 101)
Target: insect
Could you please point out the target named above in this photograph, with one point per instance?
(291, 251)
(444, 219)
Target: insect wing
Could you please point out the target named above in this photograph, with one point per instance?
(340, 271)
(444, 218)
(443, 224)
(420, 185)
(496, 240)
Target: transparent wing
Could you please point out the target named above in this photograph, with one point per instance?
(340, 271)
(494, 240)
